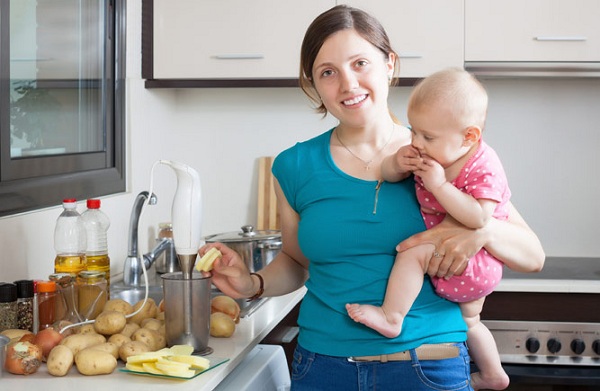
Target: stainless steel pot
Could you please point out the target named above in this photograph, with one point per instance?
(256, 248)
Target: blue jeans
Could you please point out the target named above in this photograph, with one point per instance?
(312, 372)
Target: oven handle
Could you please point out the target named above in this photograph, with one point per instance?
(553, 374)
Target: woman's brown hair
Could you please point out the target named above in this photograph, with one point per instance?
(338, 18)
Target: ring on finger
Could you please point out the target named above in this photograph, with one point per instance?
(437, 255)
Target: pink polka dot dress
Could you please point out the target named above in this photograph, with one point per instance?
(483, 177)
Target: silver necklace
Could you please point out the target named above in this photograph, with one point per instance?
(367, 163)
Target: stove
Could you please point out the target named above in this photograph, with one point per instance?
(547, 324)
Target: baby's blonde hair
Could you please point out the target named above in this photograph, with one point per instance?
(455, 89)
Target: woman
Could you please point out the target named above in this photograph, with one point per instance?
(340, 224)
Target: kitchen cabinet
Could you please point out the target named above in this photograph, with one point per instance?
(532, 30)
(427, 35)
(229, 39)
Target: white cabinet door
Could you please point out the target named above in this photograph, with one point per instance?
(233, 39)
(427, 34)
(532, 30)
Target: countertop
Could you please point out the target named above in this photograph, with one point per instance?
(559, 275)
(249, 332)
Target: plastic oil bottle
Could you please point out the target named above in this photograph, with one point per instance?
(96, 225)
(69, 240)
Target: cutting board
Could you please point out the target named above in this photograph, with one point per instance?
(268, 215)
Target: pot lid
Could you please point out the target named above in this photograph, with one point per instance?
(247, 234)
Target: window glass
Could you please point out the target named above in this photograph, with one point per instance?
(56, 69)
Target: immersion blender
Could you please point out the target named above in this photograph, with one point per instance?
(186, 215)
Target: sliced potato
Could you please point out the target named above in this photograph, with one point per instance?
(182, 350)
(195, 362)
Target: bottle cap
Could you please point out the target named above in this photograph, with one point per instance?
(46, 286)
(93, 204)
(8, 292)
(24, 288)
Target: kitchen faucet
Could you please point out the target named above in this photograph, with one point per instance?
(132, 269)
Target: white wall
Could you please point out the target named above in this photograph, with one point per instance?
(546, 131)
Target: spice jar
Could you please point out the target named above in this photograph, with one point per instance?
(66, 307)
(25, 305)
(92, 292)
(46, 295)
(8, 306)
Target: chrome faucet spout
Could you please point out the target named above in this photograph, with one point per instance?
(165, 245)
(132, 269)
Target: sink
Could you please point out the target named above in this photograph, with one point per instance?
(133, 295)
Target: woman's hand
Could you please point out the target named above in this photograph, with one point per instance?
(230, 274)
(454, 246)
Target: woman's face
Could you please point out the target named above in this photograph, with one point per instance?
(352, 78)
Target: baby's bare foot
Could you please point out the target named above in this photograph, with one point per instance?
(375, 318)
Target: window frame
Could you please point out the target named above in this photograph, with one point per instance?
(32, 183)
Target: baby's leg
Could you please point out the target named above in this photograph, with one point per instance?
(404, 285)
(483, 350)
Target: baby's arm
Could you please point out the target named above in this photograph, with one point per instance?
(400, 165)
(469, 211)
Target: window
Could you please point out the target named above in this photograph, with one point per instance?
(62, 97)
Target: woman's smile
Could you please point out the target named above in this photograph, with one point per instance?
(355, 100)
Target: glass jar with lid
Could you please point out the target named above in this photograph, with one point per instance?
(8, 306)
(92, 293)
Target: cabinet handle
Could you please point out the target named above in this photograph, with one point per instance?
(560, 38)
(239, 56)
(409, 55)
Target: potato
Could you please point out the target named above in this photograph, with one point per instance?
(110, 322)
(92, 361)
(119, 339)
(160, 316)
(132, 348)
(149, 310)
(60, 360)
(87, 329)
(221, 325)
(150, 337)
(151, 324)
(78, 342)
(226, 305)
(129, 329)
(119, 305)
(15, 334)
(162, 340)
(109, 347)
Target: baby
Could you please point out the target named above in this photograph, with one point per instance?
(456, 173)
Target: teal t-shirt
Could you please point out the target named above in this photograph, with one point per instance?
(349, 229)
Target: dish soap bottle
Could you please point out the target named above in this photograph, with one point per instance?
(96, 225)
(69, 240)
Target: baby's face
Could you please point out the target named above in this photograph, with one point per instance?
(437, 136)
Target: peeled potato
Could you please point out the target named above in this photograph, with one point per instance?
(221, 325)
(226, 305)
(205, 263)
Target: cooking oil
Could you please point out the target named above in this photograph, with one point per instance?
(100, 263)
(71, 264)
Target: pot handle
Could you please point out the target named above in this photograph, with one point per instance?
(270, 245)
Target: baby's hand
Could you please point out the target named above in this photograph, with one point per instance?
(408, 158)
(432, 173)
